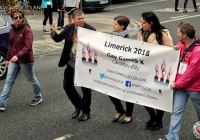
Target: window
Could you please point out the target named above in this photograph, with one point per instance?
(2, 21)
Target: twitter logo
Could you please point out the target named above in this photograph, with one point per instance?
(102, 75)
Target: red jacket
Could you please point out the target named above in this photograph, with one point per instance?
(190, 79)
(22, 46)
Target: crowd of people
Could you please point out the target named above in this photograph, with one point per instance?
(63, 7)
(187, 82)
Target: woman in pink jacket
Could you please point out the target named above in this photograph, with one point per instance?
(187, 83)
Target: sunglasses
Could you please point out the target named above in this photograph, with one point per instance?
(16, 17)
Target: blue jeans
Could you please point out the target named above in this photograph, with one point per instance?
(19, 3)
(13, 70)
(60, 19)
(179, 103)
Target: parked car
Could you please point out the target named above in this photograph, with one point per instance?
(5, 22)
(95, 4)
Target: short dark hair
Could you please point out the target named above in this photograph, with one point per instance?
(188, 29)
(77, 12)
(17, 11)
(122, 20)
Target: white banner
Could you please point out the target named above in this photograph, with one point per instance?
(127, 69)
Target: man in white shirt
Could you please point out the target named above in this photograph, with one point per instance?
(71, 5)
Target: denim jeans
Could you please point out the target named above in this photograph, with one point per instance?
(179, 103)
(60, 19)
(19, 3)
(13, 70)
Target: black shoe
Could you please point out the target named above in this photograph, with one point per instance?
(157, 126)
(125, 121)
(76, 113)
(45, 31)
(84, 117)
(150, 123)
(176, 10)
(116, 119)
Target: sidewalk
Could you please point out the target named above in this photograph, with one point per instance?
(43, 43)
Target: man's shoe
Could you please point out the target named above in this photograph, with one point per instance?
(125, 121)
(157, 126)
(76, 113)
(84, 117)
(116, 119)
(176, 10)
(35, 102)
(2, 109)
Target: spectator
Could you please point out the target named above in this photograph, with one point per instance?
(47, 5)
(20, 56)
(176, 5)
(60, 8)
(194, 4)
(71, 5)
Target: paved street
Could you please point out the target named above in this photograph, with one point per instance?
(51, 120)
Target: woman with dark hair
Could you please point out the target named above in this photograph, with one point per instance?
(120, 29)
(194, 4)
(153, 32)
(20, 57)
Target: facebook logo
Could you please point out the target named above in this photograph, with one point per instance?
(128, 84)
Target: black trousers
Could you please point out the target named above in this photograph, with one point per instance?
(194, 3)
(119, 107)
(158, 115)
(68, 85)
(176, 4)
(48, 14)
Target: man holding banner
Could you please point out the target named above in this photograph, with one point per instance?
(187, 83)
(68, 58)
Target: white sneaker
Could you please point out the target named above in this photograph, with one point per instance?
(2, 108)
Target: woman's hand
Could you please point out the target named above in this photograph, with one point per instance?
(14, 58)
(7, 63)
(176, 47)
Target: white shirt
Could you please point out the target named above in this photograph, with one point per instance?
(72, 3)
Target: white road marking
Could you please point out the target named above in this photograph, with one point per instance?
(134, 4)
(180, 18)
(64, 137)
